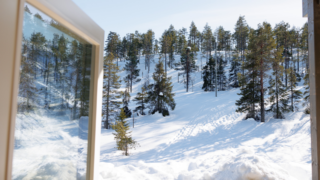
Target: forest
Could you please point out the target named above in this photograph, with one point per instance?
(266, 64)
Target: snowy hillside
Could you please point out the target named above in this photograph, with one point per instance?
(204, 138)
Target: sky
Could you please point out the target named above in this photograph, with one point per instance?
(127, 16)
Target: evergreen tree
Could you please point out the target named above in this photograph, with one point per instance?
(209, 71)
(294, 94)
(281, 32)
(249, 83)
(261, 43)
(148, 40)
(122, 134)
(181, 41)
(112, 44)
(110, 93)
(132, 67)
(123, 49)
(221, 77)
(241, 35)
(208, 41)
(188, 66)
(277, 90)
(125, 101)
(141, 101)
(160, 96)
(172, 36)
(193, 37)
(234, 70)
(220, 34)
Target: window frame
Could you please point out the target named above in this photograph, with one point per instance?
(82, 25)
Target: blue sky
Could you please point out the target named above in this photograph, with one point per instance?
(126, 16)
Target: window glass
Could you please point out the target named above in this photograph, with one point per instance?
(53, 103)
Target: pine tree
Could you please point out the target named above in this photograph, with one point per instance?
(148, 40)
(122, 134)
(221, 77)
(188, 66)
(193, 37)
(123, 49)
(220, 34)
(241, 35)
(171, 36)
(160, 96)
(249, 83)
(209, 75)
(294, 94)
(110, 93)
(261, 43)
(132, 67)
(208, 41)
(125, 102)
(181, 41)
(234, 70)
(277, 90)
(141, 101)
(112, 43)
(281, 32)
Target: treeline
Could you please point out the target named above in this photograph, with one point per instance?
(54, 72)
(265, 63)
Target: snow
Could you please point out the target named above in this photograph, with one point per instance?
(49, 147)
(204, 138)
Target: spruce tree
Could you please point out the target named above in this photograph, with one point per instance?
(278, 95)
(141, 101)
(160, 96)
(122, 135)
(110, 93)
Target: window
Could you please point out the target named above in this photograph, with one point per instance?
(52, 120)
(52, 61)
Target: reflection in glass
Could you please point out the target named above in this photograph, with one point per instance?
(53, 102)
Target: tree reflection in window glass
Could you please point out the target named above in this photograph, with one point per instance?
(53, 102)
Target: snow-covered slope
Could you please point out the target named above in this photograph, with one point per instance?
(204, 138)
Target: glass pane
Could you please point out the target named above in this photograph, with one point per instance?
(53, 102)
